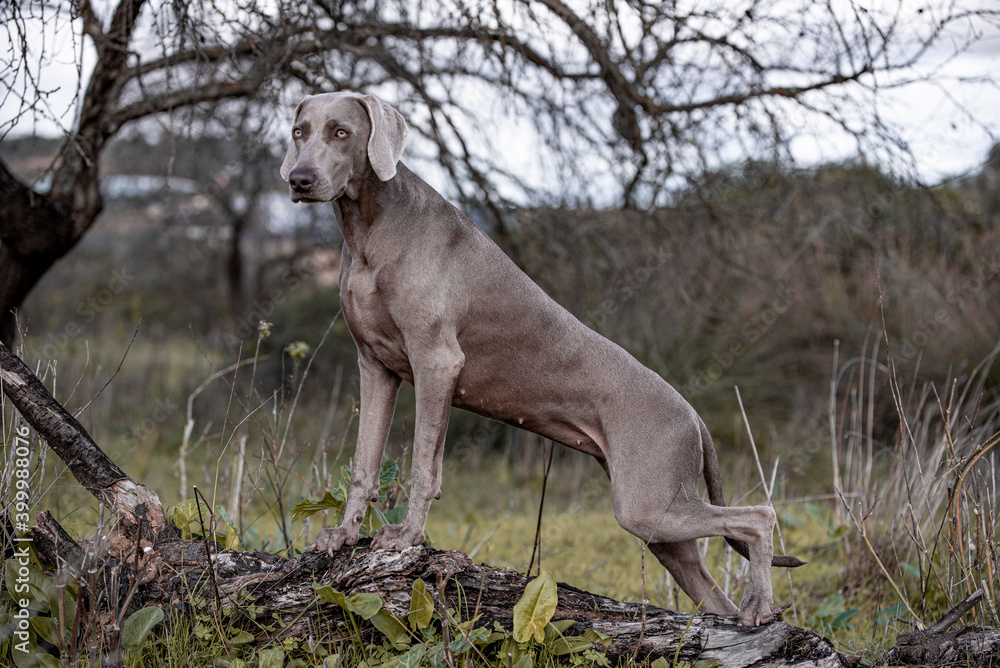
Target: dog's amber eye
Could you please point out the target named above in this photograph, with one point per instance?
(296, 133)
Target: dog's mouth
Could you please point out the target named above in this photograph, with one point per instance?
(311, 196)
(307, 196)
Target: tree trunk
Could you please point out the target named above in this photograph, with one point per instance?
(32, 237)
(235, 278)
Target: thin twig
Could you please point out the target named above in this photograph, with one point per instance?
(209, 537)
(537, 547)
(767, 491)
(122, 362)
(860, 525)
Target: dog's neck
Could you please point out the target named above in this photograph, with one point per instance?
(359, 211)
(366, 210)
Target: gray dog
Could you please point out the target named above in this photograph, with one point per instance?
(431, 300)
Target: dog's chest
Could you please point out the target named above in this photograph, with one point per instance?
(368, 316)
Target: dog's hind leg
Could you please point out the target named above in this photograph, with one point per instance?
(685, 564)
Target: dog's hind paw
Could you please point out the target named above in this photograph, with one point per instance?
(397, 537)
(756, 610)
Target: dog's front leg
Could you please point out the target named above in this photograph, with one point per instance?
(435, 374)
(379, 388)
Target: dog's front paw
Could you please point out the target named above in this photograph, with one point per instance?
(397, 537)
(756, 610)
(332, 539)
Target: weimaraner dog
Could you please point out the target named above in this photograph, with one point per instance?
(431, 300)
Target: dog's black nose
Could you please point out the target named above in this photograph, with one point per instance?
(302, 178)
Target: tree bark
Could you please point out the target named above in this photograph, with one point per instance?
(32, 237)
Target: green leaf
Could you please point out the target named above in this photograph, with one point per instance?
(465, 642)
(343, 485)
(232, 538)
(706, 663)
(911, 569)
(396, 515)
(568, 645)
(535, 608)
(831, 607)
(412, 658)
(843, 620)
(331, 661)
(307, 508)
(137, 627)
(887, 615)
(391, 628)
(468, 624)
(364, 604)
(660, 663)
(37, 583)
(386, 475)
(421, 606)
(328, 594)
(597, 637)
(270, 658)
(562, 625)
(185, 513)
(45, 627)
(372, 522)
(241, 637)
(36, 660)
(237, 663)
(515, 650)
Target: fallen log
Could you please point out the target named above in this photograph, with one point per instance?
(969, 646)
(282, 591)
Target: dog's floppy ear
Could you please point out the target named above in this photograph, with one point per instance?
(388, 137)
(292, 155)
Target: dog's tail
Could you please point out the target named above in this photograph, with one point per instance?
(713, 479)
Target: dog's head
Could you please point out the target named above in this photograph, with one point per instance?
(336, 139)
